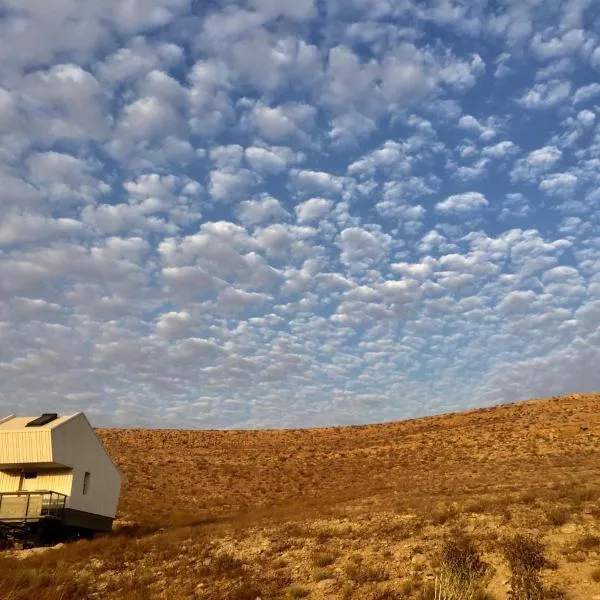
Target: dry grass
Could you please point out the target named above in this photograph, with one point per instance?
(558, 515)
(362, 573)
(525, 557)
(462, 572)
(361, 513)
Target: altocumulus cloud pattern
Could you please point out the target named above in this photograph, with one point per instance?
(273, 213)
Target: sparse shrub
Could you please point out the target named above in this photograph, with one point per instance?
(410, 586)
(558, 515)
(242, 591)
(462, 572)
(443, 515)
(505, 513)
(595, 574)
(225, 563)
(324, 536)
(322, 574)
(528, 497)
(323, 559)
(428, 592)
(347, 591)
(386, 594)
(362, 573)
(555, 593)
(576, 556)
(525, 557)
(479, 506)
(588, 543)
(297, 591)
(585, 494)
(487, 504)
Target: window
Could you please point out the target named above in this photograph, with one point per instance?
(86, 482)
(43, 420)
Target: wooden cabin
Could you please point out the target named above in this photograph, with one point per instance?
(55, 468)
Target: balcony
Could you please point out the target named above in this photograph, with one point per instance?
(31, 506)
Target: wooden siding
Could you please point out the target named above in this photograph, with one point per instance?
(25, 447)
(55, 480)
(9, 481)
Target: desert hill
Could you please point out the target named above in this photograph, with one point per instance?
(351, 512)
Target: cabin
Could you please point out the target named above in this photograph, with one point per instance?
(55, 469)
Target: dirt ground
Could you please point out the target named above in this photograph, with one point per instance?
(352, 512)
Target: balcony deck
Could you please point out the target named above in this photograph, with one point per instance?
(25, 507)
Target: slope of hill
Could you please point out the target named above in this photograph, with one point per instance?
(355, 512)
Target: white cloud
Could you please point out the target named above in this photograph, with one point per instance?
(145, 119)
(313, 209)
(535, 163)
(515, 205)
(500, 150)
(544, 157)
(553, 47)
(391, 155)
(517, 301)
(470, 123)
(17, 229)
(462, 203)
(546, 95)
(317, 181)
(585, 92)
(282, 240)
(586, 117)
(136, 59)
(68, 103)
(595, 58)
(361, 248)
(208, 96)
(463, 75)
(174, 324)
(559, 184)
(282, 122)
(263, 209)
(226, 186)
(268, 161)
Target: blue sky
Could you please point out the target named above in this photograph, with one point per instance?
(267, 213)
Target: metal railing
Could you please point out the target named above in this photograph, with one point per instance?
(31, 506)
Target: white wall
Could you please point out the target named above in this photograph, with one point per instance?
(75, 444)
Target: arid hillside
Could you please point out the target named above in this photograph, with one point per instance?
(355, 512)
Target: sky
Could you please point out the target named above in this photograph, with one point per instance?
(220, 214)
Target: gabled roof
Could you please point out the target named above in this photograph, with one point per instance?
(12, 423)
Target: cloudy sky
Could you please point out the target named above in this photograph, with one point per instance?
(273, 213)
